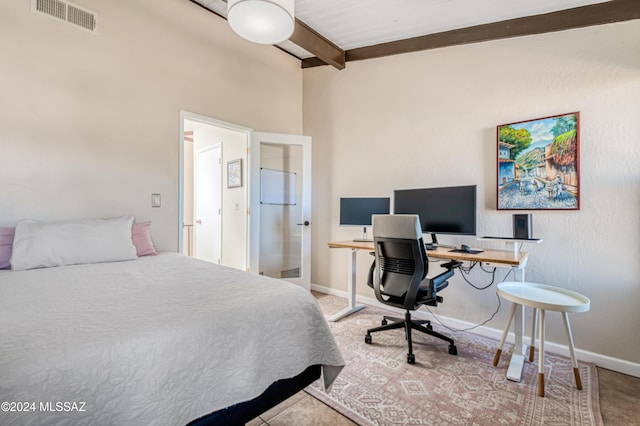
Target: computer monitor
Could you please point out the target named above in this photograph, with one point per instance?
(357, 211)
(447, 210)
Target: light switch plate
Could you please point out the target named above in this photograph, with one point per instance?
(155, 200)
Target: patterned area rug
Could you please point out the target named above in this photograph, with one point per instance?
(378, 387)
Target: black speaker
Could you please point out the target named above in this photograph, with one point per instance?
(522, 226)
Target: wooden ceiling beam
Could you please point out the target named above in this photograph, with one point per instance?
(327, 53)
(584, 16)
(308, 39)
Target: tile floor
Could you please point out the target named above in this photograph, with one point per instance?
(619, 403)
(619, 398)
(301, 410)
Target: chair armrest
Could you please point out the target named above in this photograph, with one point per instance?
(440, 281)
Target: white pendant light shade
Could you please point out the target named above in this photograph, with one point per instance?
(262, 21)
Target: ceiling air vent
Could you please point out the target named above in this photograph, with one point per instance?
(67, 12)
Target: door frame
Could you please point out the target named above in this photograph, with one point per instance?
(185, 115)
(253, 181)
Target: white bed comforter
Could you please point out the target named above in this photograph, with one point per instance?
(161, 340)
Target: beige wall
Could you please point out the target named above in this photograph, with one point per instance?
(90, 125)
(428, 119)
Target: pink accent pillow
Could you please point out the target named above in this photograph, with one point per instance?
(141, 237)
(6, 246)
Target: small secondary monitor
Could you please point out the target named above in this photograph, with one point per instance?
(447, 210)
(357, 211)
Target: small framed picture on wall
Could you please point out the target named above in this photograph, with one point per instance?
(538, 164)
(234, 173)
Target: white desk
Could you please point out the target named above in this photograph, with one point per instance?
(514, 259)
(497, 258)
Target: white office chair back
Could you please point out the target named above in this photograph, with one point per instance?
(406, 226)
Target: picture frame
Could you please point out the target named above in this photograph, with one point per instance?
(538, 164)
(234, 173)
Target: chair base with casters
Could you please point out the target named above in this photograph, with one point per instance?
(410, 324)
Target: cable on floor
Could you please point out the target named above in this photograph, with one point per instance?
(436, 317)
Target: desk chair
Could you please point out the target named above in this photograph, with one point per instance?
(399, 276)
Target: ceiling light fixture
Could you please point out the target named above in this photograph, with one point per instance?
(262, 21)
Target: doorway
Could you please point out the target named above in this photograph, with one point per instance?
(213, 215)
(265, 215)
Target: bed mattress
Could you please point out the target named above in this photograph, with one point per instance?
(159, 340)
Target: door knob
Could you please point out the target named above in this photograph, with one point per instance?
(199, 222)
(306, 223)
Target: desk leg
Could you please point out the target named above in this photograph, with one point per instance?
(351, 290)
(516, 364)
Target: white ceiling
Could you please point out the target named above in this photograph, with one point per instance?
(357, 23)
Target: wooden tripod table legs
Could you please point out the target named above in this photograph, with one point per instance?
(541, 298)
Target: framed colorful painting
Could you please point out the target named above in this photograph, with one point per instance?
(539, 164)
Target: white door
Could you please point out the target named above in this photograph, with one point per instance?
(280, 218)
(208, 204)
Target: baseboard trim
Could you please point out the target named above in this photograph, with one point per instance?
(604, 361)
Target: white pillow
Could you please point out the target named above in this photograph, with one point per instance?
(42, 245)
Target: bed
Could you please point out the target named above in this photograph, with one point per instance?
(162, 339)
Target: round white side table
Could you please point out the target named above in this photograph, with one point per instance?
(542, 297)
